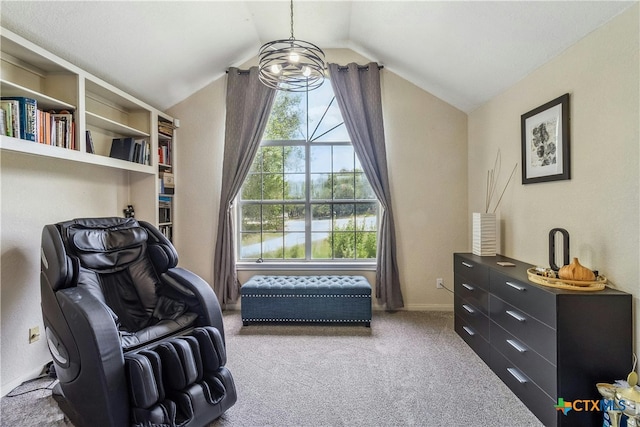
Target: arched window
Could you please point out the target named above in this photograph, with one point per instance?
(306, 197)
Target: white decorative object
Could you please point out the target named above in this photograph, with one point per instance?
(484, 234)
(485, 225)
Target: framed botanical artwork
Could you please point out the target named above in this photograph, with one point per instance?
(545, 142)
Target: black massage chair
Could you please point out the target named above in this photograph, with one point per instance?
(135, 340)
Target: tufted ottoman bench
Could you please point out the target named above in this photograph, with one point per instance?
(306, 299)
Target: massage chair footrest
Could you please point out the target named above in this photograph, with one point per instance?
(181, 381)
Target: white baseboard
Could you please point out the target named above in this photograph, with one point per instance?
(419, 307)
(428, 307)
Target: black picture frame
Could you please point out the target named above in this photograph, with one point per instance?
(545, 142)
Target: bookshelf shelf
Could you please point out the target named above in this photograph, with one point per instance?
(16, 145)
(113, 126)
(45, 102)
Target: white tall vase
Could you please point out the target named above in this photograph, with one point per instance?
(484, 234)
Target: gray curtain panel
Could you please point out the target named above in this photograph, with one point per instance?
(249, 105)
(357, 91)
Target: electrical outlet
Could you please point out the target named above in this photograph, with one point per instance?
(439, 283)
(34, 334)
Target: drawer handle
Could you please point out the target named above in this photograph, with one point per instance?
(466, 264)
(517, 375)
(515, 344)
(468, 330)
(516, 286)
(469, 309)
(519, 317)
(468, 287)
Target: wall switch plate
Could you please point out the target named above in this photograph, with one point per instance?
(34, 334)
(439, 283)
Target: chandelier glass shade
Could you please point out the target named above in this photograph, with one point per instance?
(291, 65)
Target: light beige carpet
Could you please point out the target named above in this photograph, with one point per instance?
(409, 368)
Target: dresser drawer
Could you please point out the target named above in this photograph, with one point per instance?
(472, 271)
(527, 360)
(471, 293)
(529, 393)
(527, 296)
(524, 327)
(472, 316)
(472, 338)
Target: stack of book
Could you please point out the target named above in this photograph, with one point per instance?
(22, 119)
(130, 149)
(167, 183)
(166, 129)
(164, 209)
(19, 117)
(164, 155)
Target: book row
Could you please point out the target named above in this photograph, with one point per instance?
(21, 118)
(167, 230)
(164, 211)
(164, 154)
(165, 129)
(130, 149)
(166, 182)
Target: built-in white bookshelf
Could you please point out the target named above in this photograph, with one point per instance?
(98, 107)
(166, 177)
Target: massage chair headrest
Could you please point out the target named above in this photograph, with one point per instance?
(104, 245)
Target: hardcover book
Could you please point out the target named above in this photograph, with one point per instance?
(12, 117)
(122, 148)
(7, 117)
(90, 148)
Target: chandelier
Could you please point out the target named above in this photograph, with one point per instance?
(291, 65)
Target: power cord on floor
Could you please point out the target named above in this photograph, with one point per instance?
(445, 288)
(48, 387)
(49, 372)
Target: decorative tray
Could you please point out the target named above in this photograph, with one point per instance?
(570, 285)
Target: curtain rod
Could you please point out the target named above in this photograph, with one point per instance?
(341, 67)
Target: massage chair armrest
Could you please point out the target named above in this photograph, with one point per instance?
(199, 296)
(97, 340)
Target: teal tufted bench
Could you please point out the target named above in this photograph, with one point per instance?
(306, 299)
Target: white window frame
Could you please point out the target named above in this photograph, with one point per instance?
(308, 203)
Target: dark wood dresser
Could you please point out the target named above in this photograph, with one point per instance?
(544, 343)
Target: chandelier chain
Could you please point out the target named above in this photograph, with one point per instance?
(292, 38)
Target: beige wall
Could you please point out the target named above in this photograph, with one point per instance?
(198, 170)
(426, 149)
(38, 191)
(599, 206)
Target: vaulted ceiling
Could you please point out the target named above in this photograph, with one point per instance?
(163, 51)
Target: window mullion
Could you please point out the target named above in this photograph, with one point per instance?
(307, 201)
(261, 231)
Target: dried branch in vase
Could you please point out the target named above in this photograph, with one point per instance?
(492, 178)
